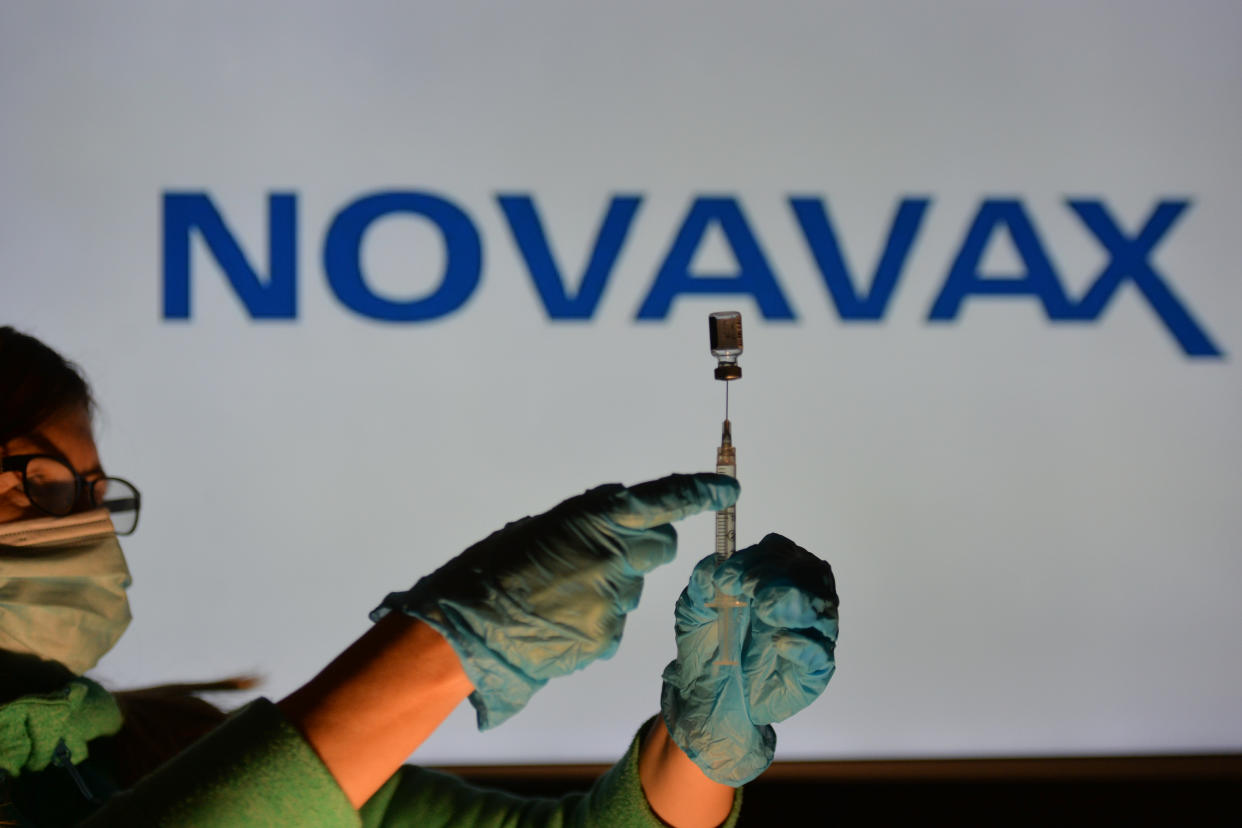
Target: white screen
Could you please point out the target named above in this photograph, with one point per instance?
(1033, 521)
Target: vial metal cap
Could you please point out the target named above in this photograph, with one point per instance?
(728, 371)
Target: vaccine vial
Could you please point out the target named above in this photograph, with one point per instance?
(725, 338)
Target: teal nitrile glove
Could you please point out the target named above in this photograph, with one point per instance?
(548, 595)
(721, 716)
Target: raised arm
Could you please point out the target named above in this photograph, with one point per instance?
(676, 788)
(368, 710)
(540, 598)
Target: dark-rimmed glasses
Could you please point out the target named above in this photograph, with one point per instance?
(54, 487)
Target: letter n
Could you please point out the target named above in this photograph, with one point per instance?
(272, 298)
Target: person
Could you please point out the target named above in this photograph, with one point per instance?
(538, 599)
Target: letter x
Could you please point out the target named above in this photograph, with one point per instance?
(1129, 259)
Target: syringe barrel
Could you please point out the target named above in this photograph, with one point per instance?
(727, 606)
(726, 519)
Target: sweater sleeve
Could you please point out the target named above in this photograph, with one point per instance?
(430, 799)
(253, 770)
(257, 770)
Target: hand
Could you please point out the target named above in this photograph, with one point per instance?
(548, 595)
(721, 716)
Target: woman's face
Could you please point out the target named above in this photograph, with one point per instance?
(66, 435)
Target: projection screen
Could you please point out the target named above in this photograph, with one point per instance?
(357, 284)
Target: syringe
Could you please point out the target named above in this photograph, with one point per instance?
(726, 345)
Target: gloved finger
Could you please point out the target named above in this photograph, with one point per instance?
(790, 672)
(670, 498)
(805, 652)
(627, 592)
(651, 548)
(702, 587)
(697, 638)
(691, 614)
(789, 606)
(773, 561)
(613, 639)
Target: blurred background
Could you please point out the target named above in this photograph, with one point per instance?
(986, 255)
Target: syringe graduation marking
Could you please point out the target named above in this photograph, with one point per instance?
(726, 527)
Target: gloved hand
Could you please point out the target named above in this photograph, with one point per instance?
(721, 716)
(548, 595)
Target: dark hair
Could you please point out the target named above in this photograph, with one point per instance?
(35, 383)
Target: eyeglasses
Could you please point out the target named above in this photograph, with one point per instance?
(54, 487)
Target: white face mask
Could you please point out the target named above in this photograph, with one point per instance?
(62, 588)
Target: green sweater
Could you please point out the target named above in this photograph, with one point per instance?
(257, 770)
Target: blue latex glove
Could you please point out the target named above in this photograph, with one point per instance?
(548, 595)
(722, 716)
